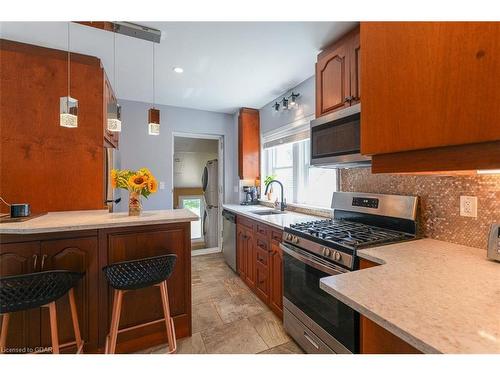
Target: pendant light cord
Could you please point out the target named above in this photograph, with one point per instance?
(153, 74)
(69, 66)
(114, 58)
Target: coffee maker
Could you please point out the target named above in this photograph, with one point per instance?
(250, 195)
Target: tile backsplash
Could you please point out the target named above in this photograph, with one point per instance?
(439, 213)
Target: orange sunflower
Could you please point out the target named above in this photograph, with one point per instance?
(114, 178)
(152, 185)
(137, 182)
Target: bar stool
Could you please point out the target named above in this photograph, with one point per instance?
(40, 289)
(138, 274)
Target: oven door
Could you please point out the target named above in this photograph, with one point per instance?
(314, 307)
(335, 139)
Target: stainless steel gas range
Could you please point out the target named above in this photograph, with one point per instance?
(312, 250)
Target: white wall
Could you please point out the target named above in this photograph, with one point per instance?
(188, 168)
(138, 149)
(270, 119)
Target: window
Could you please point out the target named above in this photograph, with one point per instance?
(303, 183)
(194, 204)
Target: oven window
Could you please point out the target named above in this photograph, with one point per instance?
(301, 287)
(336, 138)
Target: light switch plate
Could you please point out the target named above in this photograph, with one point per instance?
(468, 206)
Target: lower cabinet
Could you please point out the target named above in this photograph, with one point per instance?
(259, 261)
(377, 340)
(30, 329)
(88, 251)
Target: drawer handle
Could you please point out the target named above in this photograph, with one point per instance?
(35, 258)
(308, 338)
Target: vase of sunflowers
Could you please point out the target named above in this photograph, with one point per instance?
(140, 183)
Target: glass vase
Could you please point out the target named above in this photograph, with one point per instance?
(134, 203)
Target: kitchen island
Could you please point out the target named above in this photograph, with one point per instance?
(436, 296)
(86, 241)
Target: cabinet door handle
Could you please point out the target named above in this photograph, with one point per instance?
(35, 258)
(348, 99)
(43, 261)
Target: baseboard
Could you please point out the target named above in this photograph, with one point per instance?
(210, 250)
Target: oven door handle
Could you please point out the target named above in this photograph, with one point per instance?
(311, 262)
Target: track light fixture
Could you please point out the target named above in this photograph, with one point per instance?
(293, 100)
(287, 102)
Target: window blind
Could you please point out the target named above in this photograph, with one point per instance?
(293, 132)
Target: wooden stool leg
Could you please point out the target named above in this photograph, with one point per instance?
(74, 319)
(115, 322)
(172, 342)
(3, 335)
(53, 328)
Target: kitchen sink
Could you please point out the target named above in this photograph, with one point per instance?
(268, 212)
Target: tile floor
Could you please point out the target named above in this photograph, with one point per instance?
(227, 317)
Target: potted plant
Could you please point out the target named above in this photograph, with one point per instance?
(139, 184)
(266, 182)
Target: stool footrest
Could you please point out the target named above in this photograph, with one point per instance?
(172, 350)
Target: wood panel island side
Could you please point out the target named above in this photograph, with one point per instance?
(86, 241)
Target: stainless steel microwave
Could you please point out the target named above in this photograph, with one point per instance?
(335, 139)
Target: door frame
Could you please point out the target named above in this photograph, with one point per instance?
(220, 160)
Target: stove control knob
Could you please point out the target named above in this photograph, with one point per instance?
(338, 256)
(327, 252)
(288, 237)
(295, 239)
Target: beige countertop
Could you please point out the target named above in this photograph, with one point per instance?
(278, 221)
(437, 296)
(94, 219)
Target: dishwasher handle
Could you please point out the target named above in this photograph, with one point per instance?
(228, 215)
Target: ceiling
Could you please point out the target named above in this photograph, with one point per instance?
(226, 65)
(185, 144)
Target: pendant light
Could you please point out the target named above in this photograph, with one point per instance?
(114, 109)
(68, 106)
(153, 113)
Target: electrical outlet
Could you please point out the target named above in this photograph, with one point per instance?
(162, 185)
(468, 206)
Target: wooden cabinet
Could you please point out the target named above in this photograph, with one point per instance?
(248, 144)
(88, 251)
(78, 255)
(259, 261)
(245, 254)
(30, 329)
(122, 244)
(377, 340)
(33, 147)
(430, 95)
(276, 275)
(24, 326)
(338, 75)
(110, 138)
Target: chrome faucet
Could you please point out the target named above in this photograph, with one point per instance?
(283, 203)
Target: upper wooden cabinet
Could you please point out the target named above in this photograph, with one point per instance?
(60, 168)
(110, 138)
(430, 95)
(337, 75)
(248, 143)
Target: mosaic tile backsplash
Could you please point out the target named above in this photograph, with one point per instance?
(439, 214)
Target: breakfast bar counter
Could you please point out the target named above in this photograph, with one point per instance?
(86, 241)
(437, 296)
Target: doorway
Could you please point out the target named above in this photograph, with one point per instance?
(198, 186)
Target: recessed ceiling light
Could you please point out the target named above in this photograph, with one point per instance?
(178, 70)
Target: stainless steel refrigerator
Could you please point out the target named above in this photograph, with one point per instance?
(210, 184)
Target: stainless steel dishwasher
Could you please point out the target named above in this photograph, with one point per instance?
(229, 238)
